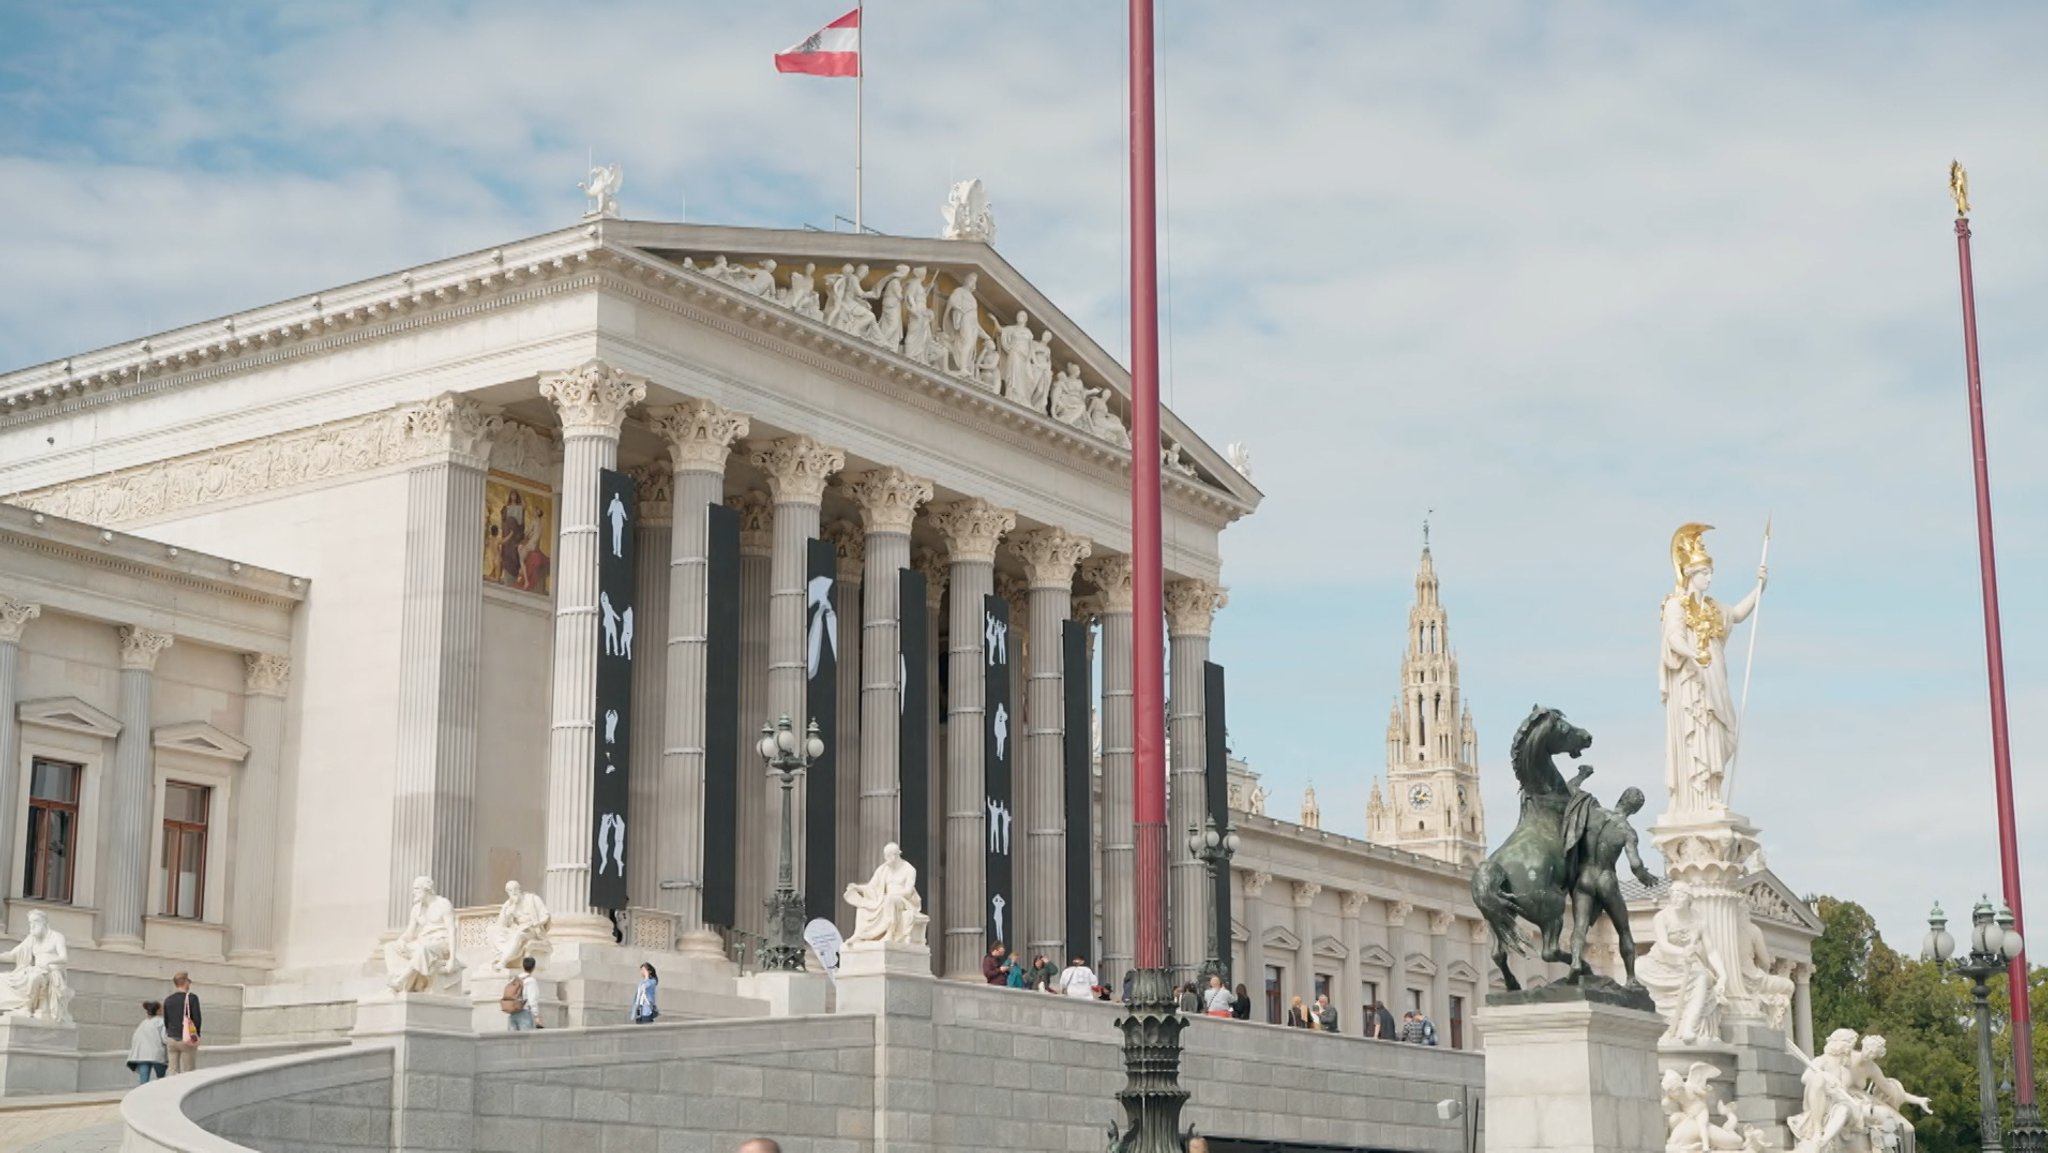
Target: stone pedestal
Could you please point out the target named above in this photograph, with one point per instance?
(37, 1057)
(1758, 1077)
(1710, 854)
(881, 978)
(383, 1015)
(1566, 1074)
(789, 994)
(895, 983)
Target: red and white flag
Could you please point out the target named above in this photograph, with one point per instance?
(833, 50)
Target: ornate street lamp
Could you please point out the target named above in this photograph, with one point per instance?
(1993, 948)
(1214, 849)
(789, 756)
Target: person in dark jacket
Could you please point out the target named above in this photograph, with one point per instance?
(1190, 1001)
(995, 968)
(182, 1025)
(1242, 1007)
(1381, 1025)
(1324, 1014)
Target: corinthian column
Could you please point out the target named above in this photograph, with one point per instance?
(888, 500)
(936, 573)
(592, 401)
(755, 874)
(1190, 608)
(440, 653)
(700, 437)
(797, 468)
(1049, 556)
(1305, 939)
(654, 504)
(1111, 576)
(126, 887)
(252, 885)
(850, 545)
(971, 528)
(14, 618)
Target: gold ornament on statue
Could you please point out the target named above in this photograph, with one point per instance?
(1959, 187)
(1703, 618)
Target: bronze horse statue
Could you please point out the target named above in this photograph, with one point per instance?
(1532, 874)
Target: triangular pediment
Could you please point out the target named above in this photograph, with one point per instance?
(1460, 971)
(200, 738)
(1375, 955)
(1331, 947)
(1769, 899)
(1420, 963)
(1282, 939)
(70, 714)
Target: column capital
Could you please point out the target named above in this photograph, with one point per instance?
(268, 674)
(451, 423)
(936, 572)
(757, 521)
(699, 434)
(141, 646)
(654, 487)
(1111, 576)
(1305, 893)
(1353, 903)
(1255, 883)
(14, 618)
(1191, 606)
(1397, 913)
(888, 497)
(972, 527)
(1085, 608)
(797, 467)
(1440, 922)
(592, 398)
(1017, 591)
(852, 546)
(1050, 556)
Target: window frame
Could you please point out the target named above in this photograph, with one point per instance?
(184, 755)
(167, 876)
(44, 740)
(29, 840)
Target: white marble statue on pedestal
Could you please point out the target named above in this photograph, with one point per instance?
(1013, 344)
(969, 214)
(1069, 400)
(1850, 1105)
(918, 319)
(422, 959)
(960, 327)
(37, 988)
(887, 908)
(1692, 678)
(1682, 972)
(1771, 990)
(1104, 423)
(601, 191)
(1688, 1112)
(521, 929)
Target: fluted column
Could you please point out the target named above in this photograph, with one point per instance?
(971, 528)
(1397, 943)
(1350, 997)
(699, 436)
(653, 540)
(1440, 925)
(126, 887)
(752, 880)
(1190, 610)
(14, 618)
(797, 468)
(936, 573)
(850, 545)
(1254, 973)
(591, 401)
(888, 500)
(1017, 594)
(1111, 576)
(1305, 939)
(1050, 556)
(1802, 1007)
(252, 883)
(440, 654)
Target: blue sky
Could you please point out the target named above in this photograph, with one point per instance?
(1571, 275)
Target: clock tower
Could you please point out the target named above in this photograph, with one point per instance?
(1431, 804)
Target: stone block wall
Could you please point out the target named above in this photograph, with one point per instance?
(322, 1103)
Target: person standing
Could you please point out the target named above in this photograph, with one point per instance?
(1297, 1014)
(1241, 1006)
(1217, 1001)
(1325, 1014)
(181, 1025)
(1076, 980)
(147, 1053)
(1381, 1026)
(1187, 999)
(527, 1015)
(995, 968)
(1411, 1027)
(1044, 973)
(645, 1008)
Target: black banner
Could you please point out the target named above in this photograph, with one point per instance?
(1216, 738)
(616, 514)
(1079, 771)
(821, 697)
(999, 746)
(722, 750)
(913, 733)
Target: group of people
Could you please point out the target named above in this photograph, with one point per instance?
(1077, 980)
(167, 1040)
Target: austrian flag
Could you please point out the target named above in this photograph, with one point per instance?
(833, 50)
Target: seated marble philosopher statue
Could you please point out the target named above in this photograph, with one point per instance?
(887, 908)
(37, 988)
(422, 959)
(521, 929)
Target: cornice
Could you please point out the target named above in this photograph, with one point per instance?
(135, 556)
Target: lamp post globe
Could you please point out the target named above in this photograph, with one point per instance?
(1993, 948)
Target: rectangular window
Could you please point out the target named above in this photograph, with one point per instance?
(52, 829)
(1372, 997)
(1415, 1000)
(1322, 984)
(183, 869)
(1272, 994)
(1457, 1022)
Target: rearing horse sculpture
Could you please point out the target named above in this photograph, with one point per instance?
(1531, 875)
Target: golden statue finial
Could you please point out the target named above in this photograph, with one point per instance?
(1959, 187)
(1688, 551)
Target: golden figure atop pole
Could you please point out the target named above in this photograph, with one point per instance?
(1959, 187)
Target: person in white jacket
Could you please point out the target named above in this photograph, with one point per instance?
(149, 1052)
(1077, 980)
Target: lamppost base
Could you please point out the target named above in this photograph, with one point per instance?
(2028, 1135)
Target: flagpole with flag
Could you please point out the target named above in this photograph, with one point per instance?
(834, 50)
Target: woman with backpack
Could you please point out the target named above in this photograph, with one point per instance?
(645, 1010)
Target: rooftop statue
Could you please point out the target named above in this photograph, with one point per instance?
(969, 213)
(602, 191)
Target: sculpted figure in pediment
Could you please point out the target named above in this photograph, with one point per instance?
(961, 327)
(1014, 344)
(889, 319)
(846, 306)
(759, 281)
(801, 297)
(1104, 423)
(1069, 397)
(917, 318)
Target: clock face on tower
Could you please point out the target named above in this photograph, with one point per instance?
(1419, 797)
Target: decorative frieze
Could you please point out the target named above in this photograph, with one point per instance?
(140, 647)
(797, 468)
(268, 675)
(971, 528)
(1050, 556)
(1111, 576)
(523, 450)
(14, 618)
(699, 434)
(592, 398)
(888, 498)
(1191, 607)
(757, 521)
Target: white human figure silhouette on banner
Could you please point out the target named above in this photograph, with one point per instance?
(1002, 723)
(626, 633)
(999, 827)
(611, 623)
(616, 513)
(996, 641)
(613, 826)
(611, 726)
(824, 630)
(995, 909)
(902, 679)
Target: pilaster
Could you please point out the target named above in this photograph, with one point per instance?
(1397, 943)
(1111, 576)
(125, 887)
(1190, 609)
(252, 885)
(888, 500)
(1253, 975)
(1050, 557)
(14, 618)
(1350, 997)
(1304, 974)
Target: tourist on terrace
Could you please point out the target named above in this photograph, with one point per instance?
(1187, 999)
(1241, 1008)
(1380, 1024)
(1217, 1000)
(148, 1052)
(1325, 1014)
(1043, 973)
(1076, 980)
(995, 968)
(1297, 1015)
(645, 1007)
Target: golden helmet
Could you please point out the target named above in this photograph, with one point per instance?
(1688, 551)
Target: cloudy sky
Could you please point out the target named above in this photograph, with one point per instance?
(1569, 275)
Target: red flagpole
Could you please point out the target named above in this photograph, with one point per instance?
(1994, 657)
(1148, 681)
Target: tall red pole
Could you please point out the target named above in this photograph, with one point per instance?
(1148, 680)
(1994, 657)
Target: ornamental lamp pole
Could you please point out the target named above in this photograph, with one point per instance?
(1994, 946)
(1214, 849)
(785, 753)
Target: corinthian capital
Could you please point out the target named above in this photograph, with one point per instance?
(1191, 607)
(1111, 576)
(699, 434)
(971, 528)
(797, 468)
(654, 489)
(268, 674)
(453, 424)
(1305, 893)
(592, 399)
(140, 647)
(757, 521)
(936, 572)
(1255, 883)
(14, 618)
(1050, 555)
(888, 498)
(852, 546)
(1440, 922)
(1397, 912)
(1352, 903)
